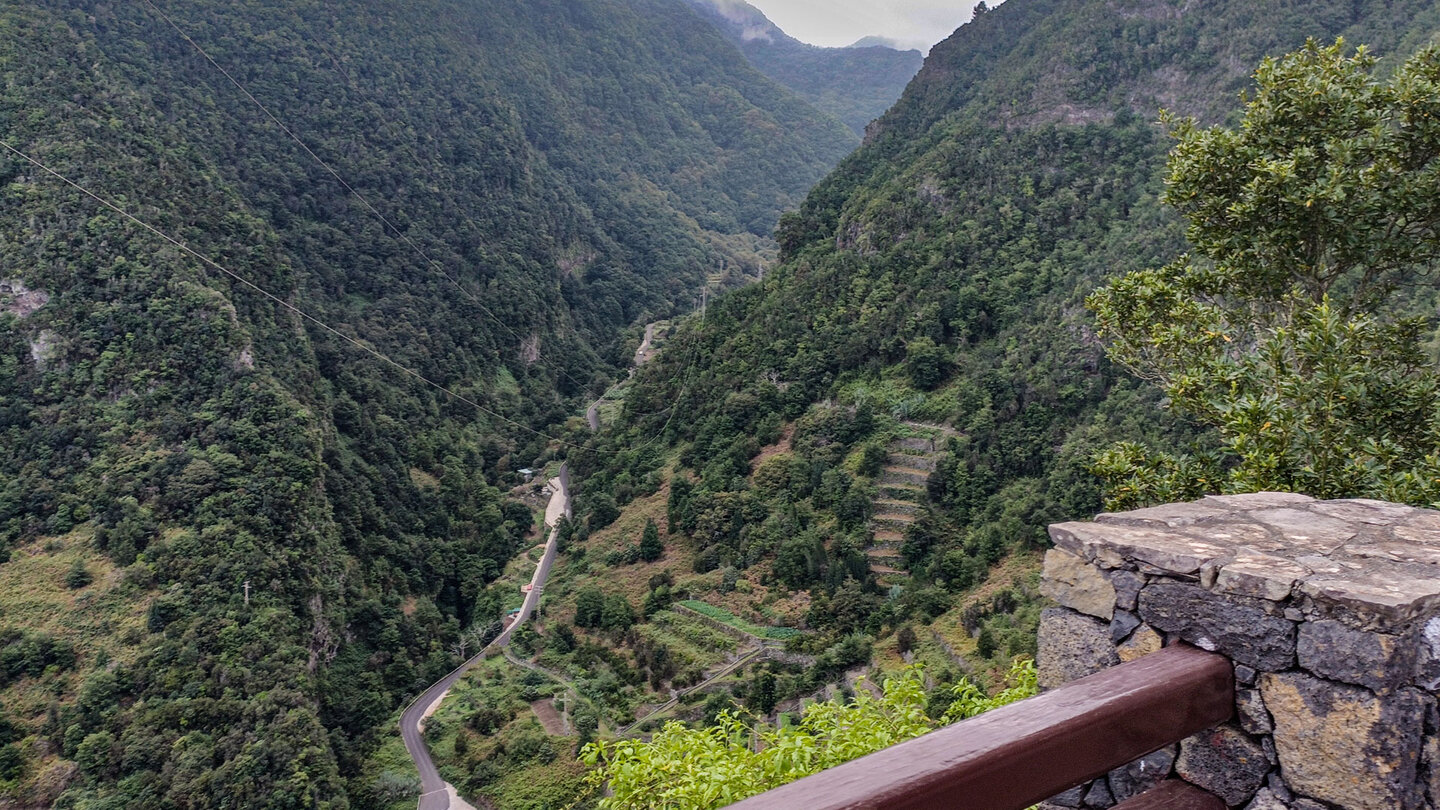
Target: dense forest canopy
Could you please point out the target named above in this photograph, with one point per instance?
(286, 534)
(1294, 332)
(935, 281)
(257, 483)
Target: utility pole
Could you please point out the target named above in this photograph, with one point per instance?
(247, 593)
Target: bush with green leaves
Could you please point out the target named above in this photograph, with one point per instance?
(651, 549)
(682, 768)
(78, 576)
(23, 653)
(1286, 330)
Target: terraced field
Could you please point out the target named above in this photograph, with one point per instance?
(691, 641)
(901, 497)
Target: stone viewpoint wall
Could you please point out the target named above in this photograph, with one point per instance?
(1330, 611)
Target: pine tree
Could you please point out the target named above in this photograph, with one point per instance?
(651, 549)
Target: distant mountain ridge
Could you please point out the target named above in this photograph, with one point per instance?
(855, 84)
(873, 41)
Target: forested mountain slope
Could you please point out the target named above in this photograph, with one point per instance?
(938, 274)
(854, 84)
(234, 536)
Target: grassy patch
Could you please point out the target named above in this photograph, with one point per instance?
(726, 617)
(631, 580)
(690, 640)
(1016, 573)
(395, 777)
(505, 383)
(554, 784)
(104, 620)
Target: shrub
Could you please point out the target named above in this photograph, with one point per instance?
(78, 576)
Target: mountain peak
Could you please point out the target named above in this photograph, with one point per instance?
(746, 22)
(874, 41)
(855, 84)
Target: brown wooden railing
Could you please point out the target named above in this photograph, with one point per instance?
(1012, 757)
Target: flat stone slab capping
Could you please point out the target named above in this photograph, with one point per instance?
(1329, 612)
(1369, 564)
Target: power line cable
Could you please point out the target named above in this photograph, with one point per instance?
(350, 189)
(381, 356)
(403, 236)
(435, 265)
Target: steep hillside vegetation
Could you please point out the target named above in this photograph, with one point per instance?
(855, 84)
(221, 448)
(935, 282)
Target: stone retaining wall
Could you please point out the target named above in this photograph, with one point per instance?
(1330, 611)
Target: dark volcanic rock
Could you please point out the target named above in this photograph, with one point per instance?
(1375, 660)
(1247, 634)
(1250, 711)
(1142, 774)
(1127, 588)
(1225, 762)
(1099, 795)
(1122, 624)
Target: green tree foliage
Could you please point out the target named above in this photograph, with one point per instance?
(603, 511)
(905, 639)
(690, 769)
(589, 607)
(924, 362)
(616, 613)
(26, 653)
(1286, 328)
(78, 576)
(97, 755)
(543, 170)
(761, 697)
(977, 215)
(855, 84)
(679, 515)
(872, 459)
(12, 758)
(651, 549)
(969, 700)
(12, 762)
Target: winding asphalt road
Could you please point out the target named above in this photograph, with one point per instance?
(436, 793)
(642, 354)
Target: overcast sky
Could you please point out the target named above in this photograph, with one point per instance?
(918, 23)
